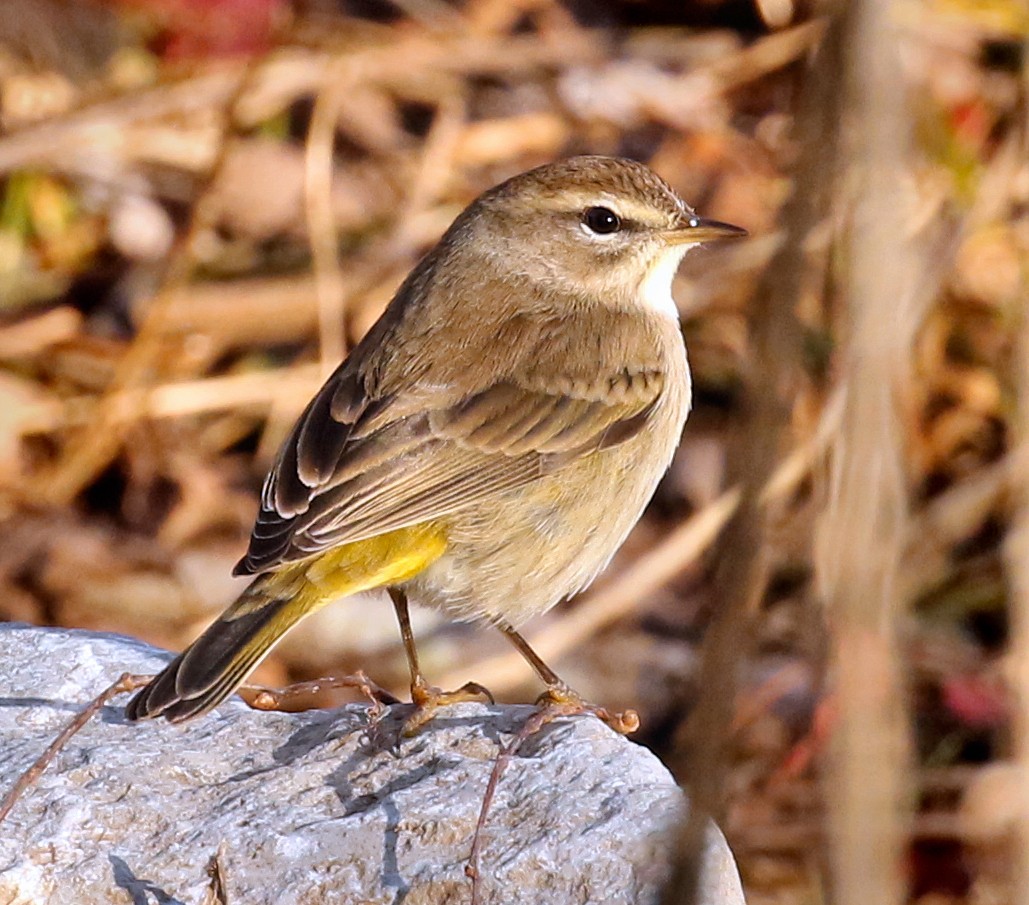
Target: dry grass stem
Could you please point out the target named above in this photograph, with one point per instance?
(217, 890)
(281, 78)
(253, 391)
(246, 313)
(434, 172)
(771, 378)
(321, 224)
(543, 716)
(1017, 555)
(773, 52)
(864, 527)
(31, 337)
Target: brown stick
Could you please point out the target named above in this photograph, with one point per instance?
(330, 288)
(862, 532)
(217, 892)
(127, 682)
(532, 725)
(740, 577)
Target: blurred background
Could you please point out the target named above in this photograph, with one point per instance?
(205, 203)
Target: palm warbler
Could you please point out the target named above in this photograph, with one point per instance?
(489, 444)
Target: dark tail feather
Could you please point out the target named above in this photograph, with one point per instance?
(219, 661)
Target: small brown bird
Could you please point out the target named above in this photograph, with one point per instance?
(489, 444)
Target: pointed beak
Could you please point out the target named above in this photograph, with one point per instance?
(697, 229)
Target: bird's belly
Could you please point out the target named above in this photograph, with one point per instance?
(539, 544)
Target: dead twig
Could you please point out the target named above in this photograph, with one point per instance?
(321, 223)
(530, 727)
(281, 78)
(175, 400)
(126, 682)
(771, 379)
(865, 525)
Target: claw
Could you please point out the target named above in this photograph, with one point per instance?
(568, 701)
(428, 699)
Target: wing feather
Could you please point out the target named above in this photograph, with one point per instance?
(387, 444)
(357, 484)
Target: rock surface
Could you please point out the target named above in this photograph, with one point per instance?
(316, 807)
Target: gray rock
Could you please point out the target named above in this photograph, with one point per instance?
(316, 807)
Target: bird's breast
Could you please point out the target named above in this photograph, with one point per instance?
(540, 543)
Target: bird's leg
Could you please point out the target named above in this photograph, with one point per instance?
(559, 695)
(425, 697)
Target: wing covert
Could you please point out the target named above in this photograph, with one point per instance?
(339, 481)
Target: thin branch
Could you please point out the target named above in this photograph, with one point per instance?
(321, 222)
(863, 531)
(1017, 554)
(217, 892)
(771, 380)
(543, 716)
(175, 400)
(126, 682)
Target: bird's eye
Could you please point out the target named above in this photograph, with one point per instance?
(601, 220)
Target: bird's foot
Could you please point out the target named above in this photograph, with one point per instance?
(566, 701)
(428, 699)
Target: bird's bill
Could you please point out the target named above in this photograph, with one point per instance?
(699, 229)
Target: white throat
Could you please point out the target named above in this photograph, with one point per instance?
(655, 292)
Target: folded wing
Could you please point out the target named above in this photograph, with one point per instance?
(359, 464)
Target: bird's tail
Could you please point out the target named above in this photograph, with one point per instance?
(220, 660)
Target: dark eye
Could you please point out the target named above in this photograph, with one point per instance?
(602, 220)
